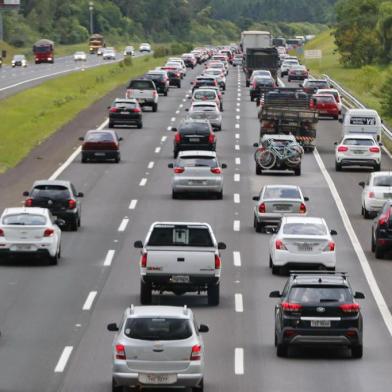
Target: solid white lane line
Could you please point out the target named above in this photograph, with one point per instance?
(239, 303)
(143, 182)
(237, 147)
(109, 258)
(90, 300)
(237, 126)
(239, 361)
(236, 225)
(375, 289)
(238, 99)
(123, 224)
(133, 204)
(237, 135)
(237, 198)
(62, 363)
(150, 165)
(184, 100)
(237, 177)
(238, 161)
(157, 150)
(237, 258)
(163, 139)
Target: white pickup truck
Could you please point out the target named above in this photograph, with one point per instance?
(180, 257)
(144, 91)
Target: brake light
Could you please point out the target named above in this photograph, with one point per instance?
(71, 204)
(196, 352)
(177, 75)
(330, 247)
(143, 260)
(216, 170)
(342, 149)
(177, 137)
(290, 307)
(262, 208)
(374, 149)
(371, 195)
(136, 110)
(120, 351)
(350, 308)
(384, 218)
(113, 110)
(48, 232)
(179, 170)
(28, 202)
(218, 262)
(280, 245)
(254, 85)
(1, 233)
(211, 138)
(302, 208)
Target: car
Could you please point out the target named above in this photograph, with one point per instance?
(204, 81)
(217, 65)
(19, 60)
(100, 51)
(381, 233)
(326, 105)
(125, 112)
(179, 61)
(129, 51)
(145, 48)
(193, 135)
(59, 197)
(206, 110)
(197, 172)
(333, 92)
(260, 85)
(206, 94)
(30, 231)
(297, 72)
(276, 201)
(80, 56)
(158, 346)
(259, 72)
(145, 91)
(318, 309)
(180, 257)
(376, 190)
(310, 86)
(174, 75)
(286, 65)
(109, 54)
(101, 146)
(357, 150)
(302, 242)
(177, 66)
(219, 75)
(238, 60)
(189, 60)
(160, 79)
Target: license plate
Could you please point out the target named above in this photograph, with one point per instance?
(194, 139)
(23, 248)
(305, 247)
(99, 154)
(157, 379)
(358, 151)
(180, 279)
(387, 195)
(141, 100)
(320, 323)
(124, 112)
(282, 207)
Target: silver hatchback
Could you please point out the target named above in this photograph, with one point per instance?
(158, 346)
(197, 172)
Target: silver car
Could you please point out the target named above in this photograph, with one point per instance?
(158, 346)
(208, 111)
(274, 202)
(197, 171)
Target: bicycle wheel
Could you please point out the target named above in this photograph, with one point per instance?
(294, 156)
(265, 159)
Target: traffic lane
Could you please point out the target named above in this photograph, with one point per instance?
(81, 267)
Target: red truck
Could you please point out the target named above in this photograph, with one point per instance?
(43, 51)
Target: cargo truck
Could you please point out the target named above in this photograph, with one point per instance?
(255, 40)
(43, 51)
(96, 41)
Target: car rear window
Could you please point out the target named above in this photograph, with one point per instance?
(200, 128)
(24, 220)
(317, 294)
(264, 82)
(99, 137)
(197, 162)
(325, 99)
(125, 105)
(317, 83)
(358, 142)
(154, 76)
(304, 229)
(50, 191)
(180, 236)
(141, 85)
(281, 193)
(204, 95)
(382, 181)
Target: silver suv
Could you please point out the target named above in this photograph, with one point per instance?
(157, 346)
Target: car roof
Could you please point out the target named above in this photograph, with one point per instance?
(113, 133)
(130, 100)
(361, 111)
(358, 136)
(159, 311)
(318, 279)
(211, 154)
(51, 182)
(281, 186)
(279, 137)
(381, 173)
(26, 210)
(302, 219)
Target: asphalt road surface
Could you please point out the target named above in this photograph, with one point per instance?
(53, 319)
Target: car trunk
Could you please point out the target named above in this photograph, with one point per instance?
(282, 205)
(307, 245)
(23, 233)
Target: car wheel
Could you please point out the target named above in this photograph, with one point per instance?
(116, 388)
(200, 387)
(179, 85)
(145, 293)
(275, 270)
(175, 154)
(155, 107)
(270, 261)
(219, 195)
(362, 211)
(297, 171)
(366, 213)
(257, 225)
(281, 350)
(378, 252)
(110, 125)
(289, 80)
(140, 125)
(377, 167)
(338, 166)
(213, 295)
(357, 351)
(165, 93)
(174, 195)
(73, 224)
(84, 159)
(53, 260)
(259, 170)
(247, 83)
(373, 243)
(117, 159)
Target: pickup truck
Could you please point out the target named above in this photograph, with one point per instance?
(144, 91)
(180, 257)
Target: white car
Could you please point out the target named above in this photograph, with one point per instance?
(109, 54)
(335, 94)
(302, 242)
(179, 61)
(19, 60)
(206, 95)
(80, 56)
(177, 66)
(30, 231)
(286, 65)
(157, 346)
(376, 190)
(260, 72)
(218, 74)
(145, 47)
(129, 51)
(358, 150)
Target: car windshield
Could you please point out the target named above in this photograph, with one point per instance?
(24, 220)
(264, 81)
(204, 95)
(158, 328)
(382, 180)
(304, 229)
(190, 161)
(79, 53)
(19, 57)
(180, 236)
(99, 137)
(358, 142)
(141, 85)
(317, 294)
(281, 193)
(50, 191)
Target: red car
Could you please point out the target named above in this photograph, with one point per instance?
(326, 105)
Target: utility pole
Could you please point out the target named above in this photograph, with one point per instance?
(1, 27)
(91, 9)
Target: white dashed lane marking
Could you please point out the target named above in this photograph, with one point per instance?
(237, 258)
(236, 225)
(143, 182)
(90, 300)
(62, 363)
(133, 204)
(109, 258)
(123, 224)
(239, 361)
(150, 165)
(239, 303)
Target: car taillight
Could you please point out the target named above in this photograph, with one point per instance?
(143, 260)
(342, 149)
(71, 204)
(215, 83)
(177, 137)
(120, 351)
(177, 75)
(330, 247)
(350, 308)
(218, 262)
(262, 208)
(280, 245)
(113, 110)
(179, 170)
(48, 232)
(384, 218)
(211, 138)
(374, 149)
(136, 110)
(254, 85)
(290, 307)
(302, 208)
(196, 352)
(216, 170)
(1, 233)
(28, 202)
(154, 93)
(129, 93)
(371, 195)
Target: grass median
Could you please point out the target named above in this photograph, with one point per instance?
(30, 117)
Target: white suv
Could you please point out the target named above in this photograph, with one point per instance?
(158, 346)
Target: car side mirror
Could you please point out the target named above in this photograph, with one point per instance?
(174, 129)
(306, 198)
(333, 232)
(60, 222)
(224, 166)
(203, 328)
(80, 194)
(359, 295)
(112, 327)
(336, 143)
(25, 193)
(138, 244)
(120, 139)
(275, 294)
(189, 97)
(361, 184)
(221, 245)
(170, 165)
(255, 144)
(382, 121)
(187, 109)
(255, 198)
(192, 83)
(81, 138)
(340, 120)
(380, 144)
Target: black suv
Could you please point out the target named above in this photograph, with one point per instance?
(382, 231)
(161, 80)
(194, 135)
(60, 197)
(318, 308)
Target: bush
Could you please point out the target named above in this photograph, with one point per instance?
(161, 51)
(386, 98)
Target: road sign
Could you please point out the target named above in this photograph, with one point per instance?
(9, 4)
(313, 54)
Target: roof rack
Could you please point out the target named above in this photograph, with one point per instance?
(295, 273)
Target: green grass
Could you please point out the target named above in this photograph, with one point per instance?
(29, 117)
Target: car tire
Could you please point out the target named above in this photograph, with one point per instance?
(219, 195)
(110, 125)
(213, 294)
(179, 85)
(297, 171)
(281, 350)
(270, 261)
(257, 225)
(140, 125)
(73, 224)
(175, 154)
(357, 351)
(378, 252)
(289, 80)
(84, 159)
(175, 195)
(275, 270)
(338, 166)
(145, 293)
(117, 388)
(117, 159)
(53, 260)
(247, 83)
(377, 167)
(155, 107)
(165, 93)
(367, 214)
(200, 387)
(259, 170)
(373, 244)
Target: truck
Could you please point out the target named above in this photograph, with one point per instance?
(43, 51)
(289, 110)
(95, 42)
(255, 40)
(180, 257)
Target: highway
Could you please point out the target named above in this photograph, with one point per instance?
(53, 319)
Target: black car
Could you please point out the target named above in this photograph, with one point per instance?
(174, 76)
(125, 112)
(318, 309)
(204, 82)
(310, 86)
(194, 135)
(60, 197)
(260, 86)
(382, 231)
(161, 80)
